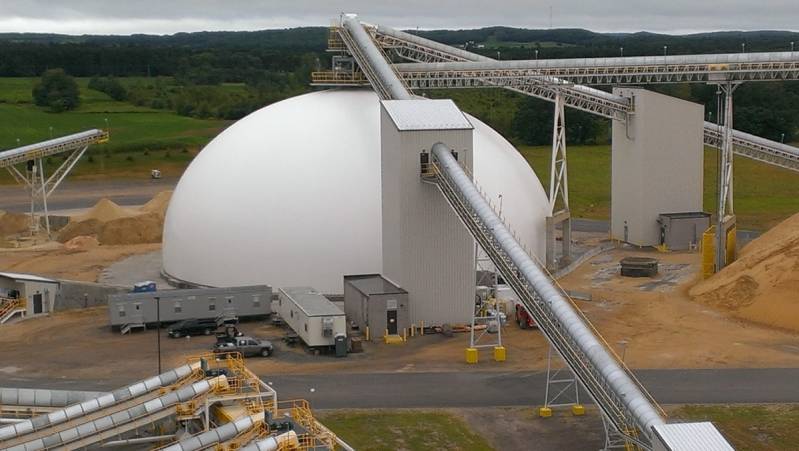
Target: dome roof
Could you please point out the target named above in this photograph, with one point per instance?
(290, 195)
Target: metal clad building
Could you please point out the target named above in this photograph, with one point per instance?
(657, 164)
(426, 248)
(198, 303)
(311, 315)
(38, 292)
(371, 300)
(689, 437)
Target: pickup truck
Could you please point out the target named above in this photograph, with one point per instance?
(247, 346)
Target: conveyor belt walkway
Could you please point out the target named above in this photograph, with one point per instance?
(622, 399)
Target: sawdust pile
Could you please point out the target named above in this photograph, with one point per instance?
(763, 284)
(81, 242)
(111, 224)
(11, 223)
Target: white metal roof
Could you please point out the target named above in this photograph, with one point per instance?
(440, 114)
(27, 277)
(312, 302)
(691, 437)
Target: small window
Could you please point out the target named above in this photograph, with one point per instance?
(211, 306)
(138, 307)
(191, 298)
(178, 307)
(229, 299)
(256, 300)
(252, 343)
(121, 313)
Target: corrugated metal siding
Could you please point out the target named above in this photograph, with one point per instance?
(657, 164)
(441, 114)
(690, 437)
(426, 249)
(193, 303)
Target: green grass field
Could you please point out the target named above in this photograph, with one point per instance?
(411, 430)
(750, 427)
(764, 195)
(140, 137)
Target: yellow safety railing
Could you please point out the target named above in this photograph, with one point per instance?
(339, 77)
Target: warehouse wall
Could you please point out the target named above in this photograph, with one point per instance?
(657, 164)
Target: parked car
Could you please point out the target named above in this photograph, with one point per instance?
(189, 327)
(247, 346)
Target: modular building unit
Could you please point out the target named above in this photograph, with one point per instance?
(682, 231)
(311, 315)
(196, 303)
(373, 301)
(38, 293)
(688, 437)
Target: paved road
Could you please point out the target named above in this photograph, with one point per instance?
(74, 194)
(484, 388)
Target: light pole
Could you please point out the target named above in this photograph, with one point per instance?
(743, 47)
(665, 50)
(536, 53)
(782, 138)
(158, 332)
(791, 46)
(499, 55)
(621, 51)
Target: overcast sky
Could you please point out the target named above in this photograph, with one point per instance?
(170, 16)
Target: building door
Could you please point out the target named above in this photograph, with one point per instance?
(37, 303)
(391, 322)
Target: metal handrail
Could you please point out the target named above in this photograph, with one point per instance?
(604, 395)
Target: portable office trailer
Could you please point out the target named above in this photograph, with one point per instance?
(199, 303)
(370, 300)
(311, 315)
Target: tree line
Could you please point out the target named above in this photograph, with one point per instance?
(184, 72)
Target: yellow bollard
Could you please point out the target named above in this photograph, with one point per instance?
(471, 355)
(499, 353)
(578, 410)
(367, 333)
(544, 412)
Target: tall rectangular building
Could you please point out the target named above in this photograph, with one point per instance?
(426, 248)
(657, 164)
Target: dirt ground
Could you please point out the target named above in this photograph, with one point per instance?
(663, 327)
(55, 260)
(651, 322)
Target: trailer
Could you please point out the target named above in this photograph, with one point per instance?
(225, 304)
(317, 321)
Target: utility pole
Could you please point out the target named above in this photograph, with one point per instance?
(158, 332)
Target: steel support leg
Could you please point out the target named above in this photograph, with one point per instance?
(558, 188)
(726, 213)
(561, 388)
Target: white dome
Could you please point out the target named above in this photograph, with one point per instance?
(290, 195)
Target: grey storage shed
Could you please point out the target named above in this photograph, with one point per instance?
(374, 301)
(682, 231)
(197, 303)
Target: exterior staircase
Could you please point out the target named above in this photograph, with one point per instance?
(10, 307)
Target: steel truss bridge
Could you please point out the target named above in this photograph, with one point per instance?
(565, 82)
